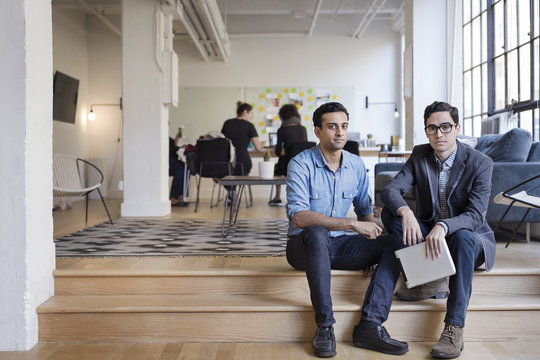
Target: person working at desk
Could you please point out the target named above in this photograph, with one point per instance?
(453, 184)
(289, 132)
(241, 131)
(176, 170)
(322, 183)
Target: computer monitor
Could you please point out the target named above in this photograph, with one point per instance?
(272, 138)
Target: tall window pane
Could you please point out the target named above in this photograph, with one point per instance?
(526, 120)
(466, 11)
(524, 73)
(477, 126)
(536, 17)
(498, 11)
(512, 76)
(467, 127)
(467, 106)
(524, 21)
(484, 89)
(536, 95)
(511, 24)
(476, 41)
(467, 47)
(475, 8)
(477, 88)
(499, 83)
(484, 36)
(536, 121)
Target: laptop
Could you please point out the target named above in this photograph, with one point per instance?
(419, 269)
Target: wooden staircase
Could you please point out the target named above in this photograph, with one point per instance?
(249, 300)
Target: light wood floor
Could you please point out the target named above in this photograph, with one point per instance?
(191, 351)
(68, 221)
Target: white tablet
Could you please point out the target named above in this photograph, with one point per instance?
(419, 269)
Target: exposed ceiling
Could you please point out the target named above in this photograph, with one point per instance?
(211, 23)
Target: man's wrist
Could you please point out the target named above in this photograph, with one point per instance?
(444, 226)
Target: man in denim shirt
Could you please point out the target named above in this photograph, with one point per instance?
(322, 182)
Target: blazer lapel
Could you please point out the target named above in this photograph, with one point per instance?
(431, 171)
(457, 170)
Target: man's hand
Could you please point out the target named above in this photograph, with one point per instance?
(368, 229)
(434, 241)
(411, 229)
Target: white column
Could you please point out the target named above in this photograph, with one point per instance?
(145, 117)
(426, 36)
(26, 245)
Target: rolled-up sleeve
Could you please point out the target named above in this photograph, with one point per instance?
(362, 202)
(297, 188)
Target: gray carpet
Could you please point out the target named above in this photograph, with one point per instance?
(169, 237)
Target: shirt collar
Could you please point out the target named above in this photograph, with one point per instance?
(321, 161)
(448, 163)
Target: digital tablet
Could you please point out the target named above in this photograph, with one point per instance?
(419, 269)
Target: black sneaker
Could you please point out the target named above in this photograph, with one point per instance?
(377, 338)
(324, 343)
(275, 202)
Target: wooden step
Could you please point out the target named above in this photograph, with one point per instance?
(280, 318)
(267, 276)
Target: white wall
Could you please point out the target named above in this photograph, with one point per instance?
(70, 57)
(27, 249)
(105, 87)
(370, 64)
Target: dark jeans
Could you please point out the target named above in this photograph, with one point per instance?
(176, 170)
(314, 251)
(468, 254)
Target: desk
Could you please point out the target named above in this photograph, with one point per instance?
(403, 155)
(241, 182)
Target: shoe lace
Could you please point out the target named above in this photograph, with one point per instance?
(325, 332)
(449, 332)
(383, 333)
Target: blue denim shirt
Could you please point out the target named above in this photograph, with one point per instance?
(311, 185)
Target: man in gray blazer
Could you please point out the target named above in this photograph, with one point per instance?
(453, 184)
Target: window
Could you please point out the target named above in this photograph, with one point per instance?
(501, 62)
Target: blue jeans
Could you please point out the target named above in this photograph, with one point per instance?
(314, 251)
(468, 254)
(176, 170)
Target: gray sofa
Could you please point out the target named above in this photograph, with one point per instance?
(515, 159)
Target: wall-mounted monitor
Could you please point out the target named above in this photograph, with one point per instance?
(66, 91)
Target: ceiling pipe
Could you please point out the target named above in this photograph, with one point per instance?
(333, 17)
(267, 35)
(195, 19)
(368, 17)
(101, 17)
(209, 21)
(314, 17)
(191, 31)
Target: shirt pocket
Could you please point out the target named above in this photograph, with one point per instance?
(320, 202)
(349, 194)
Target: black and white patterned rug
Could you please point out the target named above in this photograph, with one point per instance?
(173, 237)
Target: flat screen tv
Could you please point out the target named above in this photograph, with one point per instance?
(65, 93)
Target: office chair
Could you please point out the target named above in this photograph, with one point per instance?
(352, 147)
(213, 157)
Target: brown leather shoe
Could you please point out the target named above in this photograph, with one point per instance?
(450, 345)
(437, 289)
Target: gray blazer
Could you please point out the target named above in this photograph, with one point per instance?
(469, 187)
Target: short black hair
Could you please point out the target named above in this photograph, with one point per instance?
(325, 108)
(288, 111)
(441, 106)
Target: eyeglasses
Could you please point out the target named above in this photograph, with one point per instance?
(444, 127)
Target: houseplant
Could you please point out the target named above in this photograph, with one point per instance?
(266, 167)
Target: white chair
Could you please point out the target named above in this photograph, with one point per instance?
(68, 179)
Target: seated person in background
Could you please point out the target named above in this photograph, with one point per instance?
(289, 132)
(241, 131)
(176, 170)
(453, 184)
(322, 183)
